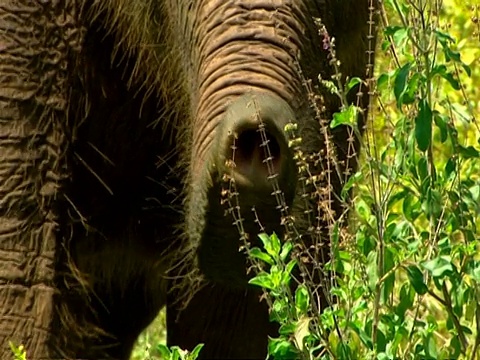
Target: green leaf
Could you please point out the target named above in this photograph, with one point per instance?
(363, 210)
(467, 69)
(422, 166)
(164, 351)
(263, 280)
(347, 116)
(382, 81)
(271, 244)
(343, 351)
(390, 30)
(439, 267)
(430, 346)
(442, 123)
(410, 207)
(408, 96)
(356, 178)
(416, 279)
(265, 240)
(352, 83)
(285, 278)
(398, 33)
(381, 343)
(281, 349)
(442, 71)
(406, 299)
(451, 55)
(450, 77)
(372, 270)
(450, 167)
(289, 267)
(195, 352)
(400, 36)
(302, 299)
(280, 310)
(433, 204)
(276, 275)
(468, 152)
(258, 254)
(467, 330)
(287, 329)
(460, 296)
(400, 195)
(176, 353)
(423, 125)
(455, 347)
(364, 337)
(389, 282)
(444, 38)
(19, 352)
(276, 245)
(400, 83)
(385, 45)
(286, 249)
(286, 274)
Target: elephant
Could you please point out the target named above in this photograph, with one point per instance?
(135, 139)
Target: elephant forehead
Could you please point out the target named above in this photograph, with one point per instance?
(222, 14)
(269, 5)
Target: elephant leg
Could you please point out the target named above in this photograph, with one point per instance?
(37, 40)
(223, 319)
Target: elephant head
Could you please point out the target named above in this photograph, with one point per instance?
(221, 80)
(248, 67)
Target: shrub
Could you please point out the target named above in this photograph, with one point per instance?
(405, 267)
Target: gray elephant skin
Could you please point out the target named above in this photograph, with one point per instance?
(117, 121)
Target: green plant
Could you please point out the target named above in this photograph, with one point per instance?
(150, 344)
(288, 308)
(406, 267)
(175, 353)
(163, 352)
(19, 352)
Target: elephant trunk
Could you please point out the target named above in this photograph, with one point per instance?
(251, 143)
(32, 146)
(250, 148)
(245, 89)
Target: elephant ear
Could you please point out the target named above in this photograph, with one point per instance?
(36, 43)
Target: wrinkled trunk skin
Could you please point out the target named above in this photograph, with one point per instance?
(117, 121)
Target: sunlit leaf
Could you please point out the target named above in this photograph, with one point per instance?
(439, 267)
(263, 280)
(259, 254)
(347, 116)
(302, 299)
